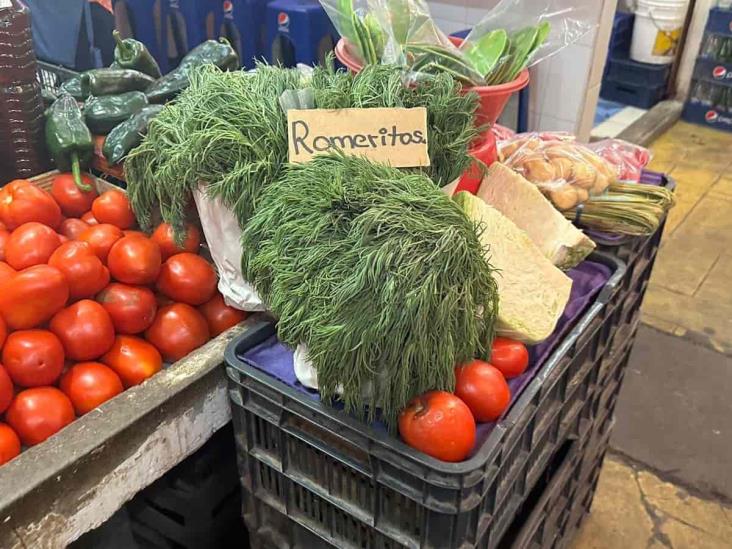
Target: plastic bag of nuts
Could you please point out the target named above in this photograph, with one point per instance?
(567, 172)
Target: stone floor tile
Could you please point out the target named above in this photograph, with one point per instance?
(682, 536)
(723, 187)
(692, 182)
(675, 502)
(710, 319)
(618, 519)
(685, 260)
(718, 284)
(658, 323)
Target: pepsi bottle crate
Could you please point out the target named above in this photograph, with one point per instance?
(630, 93)
(720, 21)
(622, 69)
(713, 71)
(308, 469)
(713, 116)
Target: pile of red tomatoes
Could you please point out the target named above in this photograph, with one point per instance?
(89, 306)
(443, 425)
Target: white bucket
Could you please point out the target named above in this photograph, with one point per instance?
(657, 30)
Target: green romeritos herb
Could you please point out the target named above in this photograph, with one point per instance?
(378, 272)
(228, 132)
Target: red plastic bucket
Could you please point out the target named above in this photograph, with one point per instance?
(492, 99)
(487, 153)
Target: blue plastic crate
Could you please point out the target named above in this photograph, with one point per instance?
(636, 95)
(187, 24)
(243, 23)
(707, 116)
(145, 21)
(720, 21)
(298, 31)
(624, 70)
(714, 71)
(622, 32)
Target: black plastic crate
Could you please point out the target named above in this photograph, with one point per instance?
(622, 32)
(52, 76)
(712, 117)
(354, 486)
(624, 70)
(196, 504)
(630, 93)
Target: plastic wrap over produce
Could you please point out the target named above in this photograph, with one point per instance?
(223, 237)
(534, 29)
(513, 35)
(628, 159)
(566, 172)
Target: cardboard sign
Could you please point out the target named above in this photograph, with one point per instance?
(397, 137)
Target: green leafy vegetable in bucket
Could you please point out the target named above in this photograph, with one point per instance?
(378, 272)
(487, 51)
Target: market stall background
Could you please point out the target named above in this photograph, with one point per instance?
(594, 403)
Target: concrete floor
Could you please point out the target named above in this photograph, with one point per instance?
(668, 480)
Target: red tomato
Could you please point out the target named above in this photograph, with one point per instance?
(134, 260)
(71, 228)
(439, 424)
(187, 278)
(101, 238)
(133, 359)
(84, 271)
(4, 236)
(163, 235)
(3, 227)
(33, 358)
(22, 202)
(89, 219)
(30, 244)
(32, 296)
(36, 414)
(113, 207)
(509, 356)
(6, 271)
(163, 300)
(3, 332)
(9, 443)
(132, 308)
(219, 316)
(6, 389)
(177, 330)
(73, 200)
(85, 330)
(483, 388)
(89, 384)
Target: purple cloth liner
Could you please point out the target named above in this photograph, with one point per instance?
(588, 278)
(609, 239)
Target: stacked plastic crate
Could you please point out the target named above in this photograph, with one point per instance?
(710, 100)
(627, 81)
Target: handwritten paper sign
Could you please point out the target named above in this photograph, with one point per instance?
(397, 137)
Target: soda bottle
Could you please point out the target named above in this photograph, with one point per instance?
(712, 45)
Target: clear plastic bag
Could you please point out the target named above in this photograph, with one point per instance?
(628, 159)
(567, 172)
(536, 30)
(402, 32)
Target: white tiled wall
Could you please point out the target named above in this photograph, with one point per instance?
(563, 88)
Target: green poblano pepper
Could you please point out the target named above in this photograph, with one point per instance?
(219, 53)
(216, 52)
(73, 87)
(132, 54)
(102, 114)
(68, 139)
(113, 81)
(128, 135)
